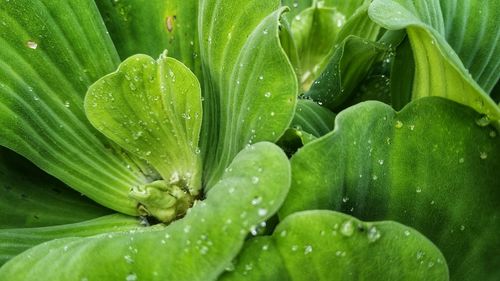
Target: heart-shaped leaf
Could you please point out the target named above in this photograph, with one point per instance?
(250, 87)
(429, 166)
(325, 245)
(15, 241)
(153, 110)
(196, 247)
(51, 52)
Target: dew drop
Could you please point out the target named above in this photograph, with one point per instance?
(256, 201)
(399, 124)
(462, 227)
(267, 94)
(381, 162)
(483, 155)
(32, 44)
(308, 250)
(407, 232)
(255, 180)
(373, 234)
(347, 228)
(262, 212)
(131, 277)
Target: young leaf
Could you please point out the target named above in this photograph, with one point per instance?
(250, 87)
(153, 110)
(196, 247)
(451, 56)
(326, 245)
(38, 200)
(349, 65)
(16, 241)
(51, 52)
(430, 166)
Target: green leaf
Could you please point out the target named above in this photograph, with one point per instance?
(448, 58)
(16, 241)
(313, 118)
(153, 110)
(335, 246)
(38, 200)
(350, 64)
(51, 53)
(153, 26)
(402, 75)
(250, 87)
(308, 27)
(197, 247)
(429, 166)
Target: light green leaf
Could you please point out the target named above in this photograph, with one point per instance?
(51, 52)
(325, 245)
(16, 241)
(250, 87)
(197, 247)
(315, 31)
(38, 199)
(153, 110)
(349, 65)
(449, 59)
(149, 27)
(429, 166)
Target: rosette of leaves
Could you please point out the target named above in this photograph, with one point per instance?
(163, 115)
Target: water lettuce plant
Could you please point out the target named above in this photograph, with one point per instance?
(249, 140)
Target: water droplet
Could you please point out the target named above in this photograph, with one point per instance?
(483, 155)
(295, 4)
(267, 94)
(418, 190)
(295, 248)
(187, 229)
(262, 212)
(131, 277)
(399, 124)
(407, 232)
(420, 255)
(461, 160)
(283, 233)
(373, 234)
(272, 113)
(381, 162)
(265, 247)
(462, 227)
(375, 177)
(256, 201)
(347, 228)
(483, 121)
(169, 22)
(493, 134)
(308, 250)
(128, 259)
(345, 199)
(32, 44)
(255, 180)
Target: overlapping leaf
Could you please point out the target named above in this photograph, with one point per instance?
(139, 27)
(198, 247)
(16, 241)
(325, 245)
(31, 198)
(454, 54)
(250, 87)
(51, 52)
(429, 166)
